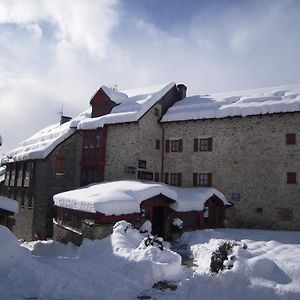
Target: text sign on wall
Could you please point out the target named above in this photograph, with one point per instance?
(130, 170)
(145, 175)
(142, 164)
(236, 197)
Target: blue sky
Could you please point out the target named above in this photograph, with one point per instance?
(55, 52)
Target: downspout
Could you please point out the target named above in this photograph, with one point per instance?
(162, 153)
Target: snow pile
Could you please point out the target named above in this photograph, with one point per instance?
(240, 103)
(132, 258)
(125, 197)
(121, 266)
(9, 204)
(11, 254)
(133, 104)
(177, 222)
(265, 265)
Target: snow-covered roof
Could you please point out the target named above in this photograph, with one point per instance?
(41, 144)
(189, 199)
(241, 103)
(124, 197)
(9, 204)
(132, 105)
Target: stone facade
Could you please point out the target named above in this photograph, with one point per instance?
(250, 158)
(128, 143)
(35, 220)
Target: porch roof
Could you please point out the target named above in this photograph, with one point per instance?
(9, 204)
(126, 196)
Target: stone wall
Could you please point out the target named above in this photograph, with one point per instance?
(65, 235)
(129, 142)
(249, 157)
(37, 221)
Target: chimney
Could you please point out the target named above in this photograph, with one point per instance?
(182, 90)
(64, 119)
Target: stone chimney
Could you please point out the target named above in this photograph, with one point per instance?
(182, 90)
(64, 119)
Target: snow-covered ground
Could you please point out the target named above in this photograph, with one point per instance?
(123, 267)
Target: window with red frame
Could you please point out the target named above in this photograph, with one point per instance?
(291, 138)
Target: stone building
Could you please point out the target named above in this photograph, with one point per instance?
(245, 144)
(42, 166)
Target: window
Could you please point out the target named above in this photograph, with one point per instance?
(175, 179)
(97, 141)
(23, 196)
(27, 173)
(7, 175)
(156, 112)
(157, 144)
(291, 138)
(174, 145)
(19, 174)
(259, 210)
(203, 144)
(202, 179)
(156, 176)
(59, 165)
(12, 175)
(291, 177)
(86, 142)
(30, 201)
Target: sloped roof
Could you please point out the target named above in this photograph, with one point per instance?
(9, 204)
(41, 144)
(125, 197)
(133, 104)
(241, 103)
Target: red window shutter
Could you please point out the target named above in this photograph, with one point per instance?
(157, 144)
(196, 142)
(180, 145)
(167, 178)
(167, 146)
(210, 144)
(291, 177)
(291, 139)
(195, 179)
(209, 179)
(156, 176)
(179, 179)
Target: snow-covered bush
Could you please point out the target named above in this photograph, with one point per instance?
(151, 240)
(220, 256)
(177, 223)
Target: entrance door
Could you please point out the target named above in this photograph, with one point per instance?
(158, 221)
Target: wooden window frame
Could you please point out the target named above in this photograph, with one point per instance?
(202, 179)
(59, 165)
(157, 144)
(175, 179)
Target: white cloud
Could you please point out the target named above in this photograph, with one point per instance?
(54, 52)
